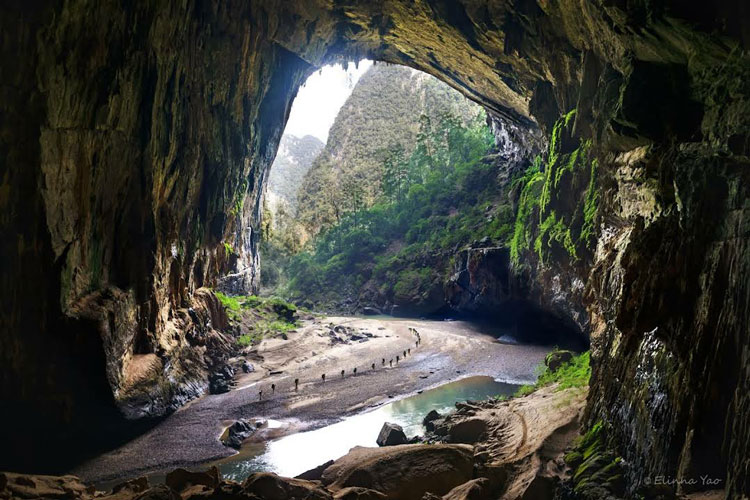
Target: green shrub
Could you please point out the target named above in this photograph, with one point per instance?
(575, 373)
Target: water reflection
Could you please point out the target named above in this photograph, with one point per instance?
(296, 453)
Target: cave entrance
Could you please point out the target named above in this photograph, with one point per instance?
(381, 167)
(390, 194)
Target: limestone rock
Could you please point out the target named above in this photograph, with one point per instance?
(429, 420)
(238, 432)
(476, 489)
(467, 431)
(356, 493)
(269, 486)
(159, 492)
(180, 479)
(390, 435)
(135, 144)
(402, 472)
(315, 473)
(556, 359)
(14, 485)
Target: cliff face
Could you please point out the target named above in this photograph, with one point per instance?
(381, 116)
(293, 160)
(125, 168)
(135, 141)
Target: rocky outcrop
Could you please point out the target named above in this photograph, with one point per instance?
(390, 435)
(136, 139)
(293, 159)
(517, 455)
(402, 472)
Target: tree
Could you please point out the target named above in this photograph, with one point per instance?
(396, 179)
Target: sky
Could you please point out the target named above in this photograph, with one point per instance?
(320, 98)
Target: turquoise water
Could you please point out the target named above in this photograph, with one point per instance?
(294, 454)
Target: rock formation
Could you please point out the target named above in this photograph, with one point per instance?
(293, 160)
(136, 138)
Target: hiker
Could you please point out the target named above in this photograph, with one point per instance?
(342, 373)
(355, 372)
(273, 388)
(404, 354)
(391, 363)
(296, 383)
(396, 358)
(373, 366)
(323, 377)
(383, 363)
(409, 351)
(260, 395)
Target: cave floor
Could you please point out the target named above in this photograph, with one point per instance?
(448, 350)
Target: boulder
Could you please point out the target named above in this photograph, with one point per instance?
(357, 493)
(476, 489)
(129, 489)
(391, 435)
(247, 367)
(429, 420)
(26, 486)
(467, 431)
(316, 473)
(543, 488)
(181, 479)
(221, 380)
(160, 492)
(236, 433)
(556, 359)
(269, 486)
(404, 472)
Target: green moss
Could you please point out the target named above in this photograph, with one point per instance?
(228, 249)
(246, 340)
(597, 471)
(528, 202)
(569, 117)
(267, 316)
(590, 207)
(553, 230)
(229, 302)
(231, 305)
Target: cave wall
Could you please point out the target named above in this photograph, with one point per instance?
(134, 145)
(135, 140)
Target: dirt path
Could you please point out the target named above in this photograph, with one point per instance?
(447, 351)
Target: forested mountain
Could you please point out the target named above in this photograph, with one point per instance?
(293, 160)
(385, 114)
(407, 179)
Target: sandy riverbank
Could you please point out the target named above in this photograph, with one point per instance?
(448, 351)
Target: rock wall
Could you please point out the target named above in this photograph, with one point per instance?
(135, 140)
(134, 147)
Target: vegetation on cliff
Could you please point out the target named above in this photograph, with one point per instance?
(384, 117)
(441, 196)
(548, 184)
(254, 318)
(572, 374)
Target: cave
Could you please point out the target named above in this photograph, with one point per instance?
(135, 145)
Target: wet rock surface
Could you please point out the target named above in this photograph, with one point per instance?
(518, 457)
(239, 431)
(390, 435)
(136, 145)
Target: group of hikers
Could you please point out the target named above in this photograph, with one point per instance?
(413, 331)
